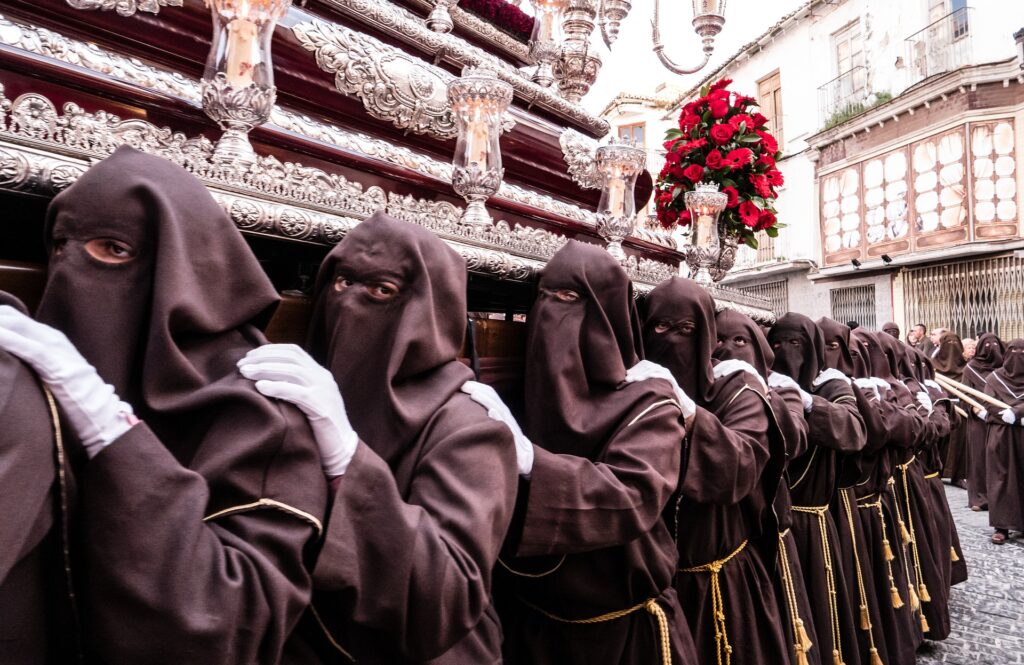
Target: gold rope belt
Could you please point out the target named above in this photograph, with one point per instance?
(830, 578)
(801, 640)
(915, 600)
(953, 556)
(922, 588)
(932, 475)
(903, 467)
(722, 645)
(865, 616)
(651, 605)
(887, 554)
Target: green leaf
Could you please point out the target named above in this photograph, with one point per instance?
(676, 193)
(743, 127)
(750, 241)
(758, 201)
(673, 133)
(706, 116)
(749, 138)
(728, 182)
(705, 90)
(772, 232)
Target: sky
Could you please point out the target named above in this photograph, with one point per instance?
(632, 66)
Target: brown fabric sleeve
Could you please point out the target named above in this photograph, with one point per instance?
(834, 421)
(577, 505)
(418, 568)
(165, 586)
(789, 410)
(728, 451)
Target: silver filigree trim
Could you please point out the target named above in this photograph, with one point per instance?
(124, 7)
(579, 151)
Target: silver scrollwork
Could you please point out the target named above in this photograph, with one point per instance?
(578, 152)
(476, 185)
(236, 110)
(124, 7)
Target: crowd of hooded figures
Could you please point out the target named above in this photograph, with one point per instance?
(680, 487)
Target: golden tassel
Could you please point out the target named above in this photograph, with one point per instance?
(953, 556)
(923, 593)
(904, 533)
(801, 656)
(897, 602)
(836, 658)
(889, 556)
(875, 658)
(865, 620)
(915, 601)
(803, 637)
(924, 624)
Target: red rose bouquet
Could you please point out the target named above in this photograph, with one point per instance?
(721, 139)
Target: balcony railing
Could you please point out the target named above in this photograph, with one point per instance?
(844, 96)
(764, 254)
(942, 46)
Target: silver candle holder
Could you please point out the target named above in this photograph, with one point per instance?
(619, 163)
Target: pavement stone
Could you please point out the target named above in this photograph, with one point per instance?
(987, 611)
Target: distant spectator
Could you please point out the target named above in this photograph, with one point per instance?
(930, 344)
(970, 345)
(917, 335)
(891, 329)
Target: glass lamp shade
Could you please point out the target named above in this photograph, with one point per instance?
(479, 124)
(547, 25)
(705, 7)
(242, 32)
(705, 203)
(619, 166)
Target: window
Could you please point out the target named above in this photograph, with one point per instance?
(849, 49)
(634, 133)
(854, 303)
(769, 99)
(777, 294)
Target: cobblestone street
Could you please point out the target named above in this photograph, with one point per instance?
(988, 609)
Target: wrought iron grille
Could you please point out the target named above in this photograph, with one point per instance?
(969, 297)
(942, 46)
(854, 303)
(777, 294)
(844, 96)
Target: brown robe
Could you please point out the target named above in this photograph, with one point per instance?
(195, 524)
(36, 622)
(988, 358)
(948, 359)
(722, 514)
(835, 427)
(1005, 444)
(404, 575)
(588, 576)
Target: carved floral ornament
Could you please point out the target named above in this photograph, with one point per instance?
(124, 7)
(44, 151)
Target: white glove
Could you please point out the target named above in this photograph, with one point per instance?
(645, 369)
(881, 384)
(286, 372)
(485, 395)
(867, 385)
(830, 375)
(983, 414)
(932, 384)
(733, 365)
(924, 400)
(92, 408)
(777, 380)
(1008, 416)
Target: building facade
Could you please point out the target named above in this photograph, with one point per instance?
(902, 124)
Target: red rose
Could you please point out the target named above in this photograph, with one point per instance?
(672, 157)
(739, 157)
(719, 84)
(693, 172)
(734, 196)
(722, 133)
(743, 101)
(744, 118)
(760, 120)
(765, 220)
(769, 142)
(719, 108)
(766, 159)
(671, 216)
(676, 172)
(669, 145)
(695, 144)
(689, 121)
(684, 218)
(761, 186)
(714, 160)
(749, 214)
(665, 198)
(774, 178)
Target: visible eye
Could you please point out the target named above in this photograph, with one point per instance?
(739, 341)
(795, 342)
(833, 345)
(58, 246)
(341, 283)
(662, 327)
(109, 250)
(776, 345)
(382, 290)
(566, 295)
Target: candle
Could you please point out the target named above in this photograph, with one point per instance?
(705, 227)
(241, 49)
(616, 197)
(476, 142)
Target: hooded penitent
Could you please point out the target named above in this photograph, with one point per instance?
(578, 351)
(891, 329)
(166, 328)
(740, 338)
(989, 354)
(837, 345)
(799, 348)
(948, 358)
(431, 490)
(1005, 468)
(679, 333)
(394, 358)
(987, 358)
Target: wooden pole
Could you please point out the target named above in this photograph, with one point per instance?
(956, 386)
